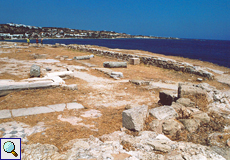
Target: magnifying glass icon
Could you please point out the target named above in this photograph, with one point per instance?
(9, 147)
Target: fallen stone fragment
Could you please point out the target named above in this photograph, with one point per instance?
(38, 56)
(48, 69)
(190, 124)
(117, 74)
(134, 119)
(158, 146)
(167, 97)
(223, 151)
(35, 71)
(139, 82)
(199, 79)
(115, 64)
(163, 112)
(171, 127)
(186, 102)
(41, 151)
(156, 126)
(72, 87)
(81, 57)
(202, 117)
(134, 61)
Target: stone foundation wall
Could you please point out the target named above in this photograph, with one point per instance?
(155, 61)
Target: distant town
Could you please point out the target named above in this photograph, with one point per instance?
(21, 31)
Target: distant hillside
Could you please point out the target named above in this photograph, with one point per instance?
(18, 31)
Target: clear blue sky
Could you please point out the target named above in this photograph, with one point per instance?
(202, 19)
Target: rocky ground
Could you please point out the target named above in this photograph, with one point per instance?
(77, 109)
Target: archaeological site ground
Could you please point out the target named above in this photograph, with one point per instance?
(91, 102)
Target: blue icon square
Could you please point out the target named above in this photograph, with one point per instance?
(10, 148)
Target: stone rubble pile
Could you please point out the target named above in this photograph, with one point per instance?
(121, 145)
(182, 113)
(155, 61)
(111, 73)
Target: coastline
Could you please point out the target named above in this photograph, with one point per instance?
(213, 55)
(103, 99)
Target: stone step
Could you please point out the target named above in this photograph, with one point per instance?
(39, 110)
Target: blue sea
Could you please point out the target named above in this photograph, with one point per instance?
(215, 51)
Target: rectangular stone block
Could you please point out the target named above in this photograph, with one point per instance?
(134, 61)
(163, 112)
(134, 118)
(57, 107)
(74, 106)
(5, 114)
(81, 57)
(31, 111)
(25, 85)
(115, 64)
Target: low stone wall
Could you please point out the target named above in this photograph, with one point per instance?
(153, 60)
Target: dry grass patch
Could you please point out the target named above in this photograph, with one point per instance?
(74, 80)
(37, 97)
(6, 75)
(60, 132)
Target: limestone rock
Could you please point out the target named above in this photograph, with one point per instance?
(116, 75)
(81, 57)
(185, 112)
(140, 82)
(167, 97)
(38, 56)
(156, 126)
(134, 119)
(72, 87)
(223, 151)
(115, 136)
(40, 151)
(115, 64)
(163, 112)
(187, 91)
(186, 102)
(35, 71)
(199, 79)
(134, 61)
(158, 146)
(190, 124)
(48, 69)
(218, 139)
(171, 127)
(202, 117)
